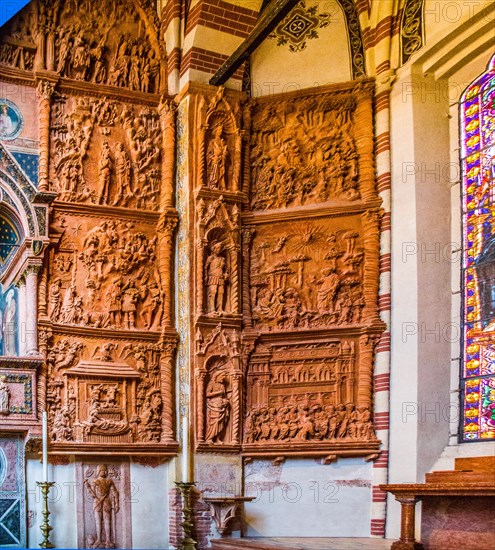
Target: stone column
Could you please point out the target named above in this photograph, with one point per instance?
(45, 92)
(407, 539)
(31, 275)
(21, 287)
(371, 275)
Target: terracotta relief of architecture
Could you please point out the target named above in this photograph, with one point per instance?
(293, 375)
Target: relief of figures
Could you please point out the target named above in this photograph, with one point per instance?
(308, 422)
(220, 143)
(111, 283)
(105, 497)
(123, 404)
(217, 408)
(106, 153)
(106, 46)
(216, 279)
(306, 276)
(303, 152)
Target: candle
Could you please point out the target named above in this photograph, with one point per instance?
(185, 450)
(45, 447)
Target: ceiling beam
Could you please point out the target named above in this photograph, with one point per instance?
(270, 18)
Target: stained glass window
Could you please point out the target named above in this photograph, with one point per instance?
(478, 270)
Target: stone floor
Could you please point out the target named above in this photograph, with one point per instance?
(302, 544)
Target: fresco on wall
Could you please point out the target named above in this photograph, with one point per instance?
(9, 325)
(478, 164)
(11, 121)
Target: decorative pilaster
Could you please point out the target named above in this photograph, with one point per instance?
(371, 277)
(167, 109)
(31, 276)
(167, 365)
(21, 286)
(45, 92)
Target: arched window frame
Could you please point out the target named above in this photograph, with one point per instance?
(477, 140)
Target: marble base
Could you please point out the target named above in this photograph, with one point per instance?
(457, 522)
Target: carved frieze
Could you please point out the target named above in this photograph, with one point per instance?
(306, 393)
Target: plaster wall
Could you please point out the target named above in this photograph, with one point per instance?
(62, 504)
(149, 506)
(276, 69)
(303, 498)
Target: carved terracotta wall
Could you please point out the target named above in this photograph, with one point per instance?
(286, 295)
(107, 140)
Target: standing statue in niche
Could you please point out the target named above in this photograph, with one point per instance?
(216, 277)
(9, 325)
(217, 408)
(217, 157)
(123, 176)
(105, 170)
(105, 507)
(4, 396)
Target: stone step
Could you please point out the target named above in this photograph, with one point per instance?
(283, 543)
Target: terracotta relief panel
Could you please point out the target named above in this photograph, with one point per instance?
(104, 275)
(308, 274)
(218, 388)
(106, 393)
(301, 394)
(308, 150)
(103, 505)
(107, 43)
(105, 152)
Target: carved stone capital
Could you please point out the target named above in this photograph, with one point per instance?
(45, 89)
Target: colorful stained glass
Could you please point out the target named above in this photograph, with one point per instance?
(478, 202)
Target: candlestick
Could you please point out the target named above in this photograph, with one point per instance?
(45, 447)
(185, 450)
(187, 543)
(46, 528)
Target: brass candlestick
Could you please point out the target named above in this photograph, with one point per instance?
(187, 543)
(46, 528)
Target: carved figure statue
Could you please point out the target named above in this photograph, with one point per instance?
(61, 430)
(105, 171)
(114, 303)
(129, 305)
(328, 286)
(216, 158)
(217, 408)
(4, 396)
(55, 299)
(123, 176)
(216, 276)
(105, 507)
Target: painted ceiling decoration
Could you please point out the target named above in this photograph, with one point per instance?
(412, 29)
(299, 26)
(303, 24)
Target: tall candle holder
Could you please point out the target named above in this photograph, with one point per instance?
(187, 543)
(46, 528)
